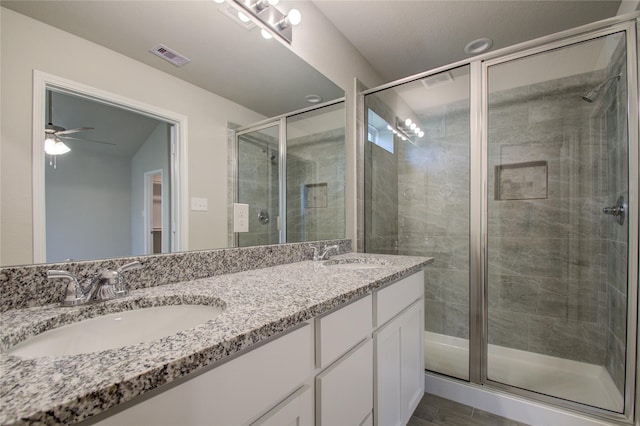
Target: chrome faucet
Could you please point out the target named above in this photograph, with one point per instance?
(106, 285)
(324, 255)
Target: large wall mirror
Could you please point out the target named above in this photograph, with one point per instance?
(120, 171)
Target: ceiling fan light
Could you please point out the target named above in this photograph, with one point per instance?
(55, 146)
(49, 144)
(61, 148)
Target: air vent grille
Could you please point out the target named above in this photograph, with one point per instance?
(170, 55)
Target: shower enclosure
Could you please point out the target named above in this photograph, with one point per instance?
(518, 172)
(290, 171)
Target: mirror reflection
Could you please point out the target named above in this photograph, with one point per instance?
(109, 193)
(302, 198)
(224, 83)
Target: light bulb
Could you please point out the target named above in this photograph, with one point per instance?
(294, 16)
(219, 1)
(412, 126)
(49, 144)
(389, 127)
(416, 130)
(55, 146)
(421, 134)
(243, 17)
(266, 34)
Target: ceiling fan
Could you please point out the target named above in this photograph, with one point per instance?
(53, 144)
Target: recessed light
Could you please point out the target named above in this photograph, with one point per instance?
(478, 46)
(313, 99)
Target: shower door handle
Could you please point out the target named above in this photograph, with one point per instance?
(618, 211)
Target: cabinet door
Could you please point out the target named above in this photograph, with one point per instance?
(399, 367)
(345, 390)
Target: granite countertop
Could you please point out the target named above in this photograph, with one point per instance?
(257, 305)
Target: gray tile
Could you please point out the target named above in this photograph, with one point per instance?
(490, 419)
(434, 410)
(417, 421)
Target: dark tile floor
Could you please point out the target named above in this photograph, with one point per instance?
(434, 410)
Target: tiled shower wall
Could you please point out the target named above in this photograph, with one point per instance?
(315, 186)
(547, 255)
(433, 214)
(556, 264)
(258, 186)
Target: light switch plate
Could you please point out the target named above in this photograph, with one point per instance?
(240, 217)
(199, 204)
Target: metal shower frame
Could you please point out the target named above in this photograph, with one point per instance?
(478, 339)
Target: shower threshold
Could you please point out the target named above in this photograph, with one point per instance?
(581, 382)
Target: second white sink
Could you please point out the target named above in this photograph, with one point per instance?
(355, 263)
(115, 330)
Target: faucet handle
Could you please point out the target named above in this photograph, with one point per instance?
(121, 288)
(74, 293)
(316, 252)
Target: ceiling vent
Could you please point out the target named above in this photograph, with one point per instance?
(437, 80)
(170, 55)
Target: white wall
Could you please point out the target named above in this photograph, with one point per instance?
(152, 155)
(88, 202)
(26, 45)
(320, 44)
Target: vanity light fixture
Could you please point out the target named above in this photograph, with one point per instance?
(407, 130)
(271, 20)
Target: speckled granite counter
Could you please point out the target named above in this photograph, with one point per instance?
(258, 304)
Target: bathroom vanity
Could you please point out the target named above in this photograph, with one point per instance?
(325, 343)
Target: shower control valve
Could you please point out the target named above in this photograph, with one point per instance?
(618, 211)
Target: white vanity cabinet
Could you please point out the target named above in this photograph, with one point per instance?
(361, 364)
(399, 350)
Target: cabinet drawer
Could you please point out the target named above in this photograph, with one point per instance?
(345, 390)
(339, 331)
(391, 300)
(296, 410)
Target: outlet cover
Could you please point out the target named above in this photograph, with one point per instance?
(240, 217)
(199, 204)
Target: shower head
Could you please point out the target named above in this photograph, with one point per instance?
(594, 93)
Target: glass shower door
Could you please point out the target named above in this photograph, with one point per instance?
(258, 184)
(557, 238)
(417, 168)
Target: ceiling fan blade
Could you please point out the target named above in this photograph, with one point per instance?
(79, 129)
(85, 140)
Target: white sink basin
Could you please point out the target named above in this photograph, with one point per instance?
(356, 263)
(115, 330)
